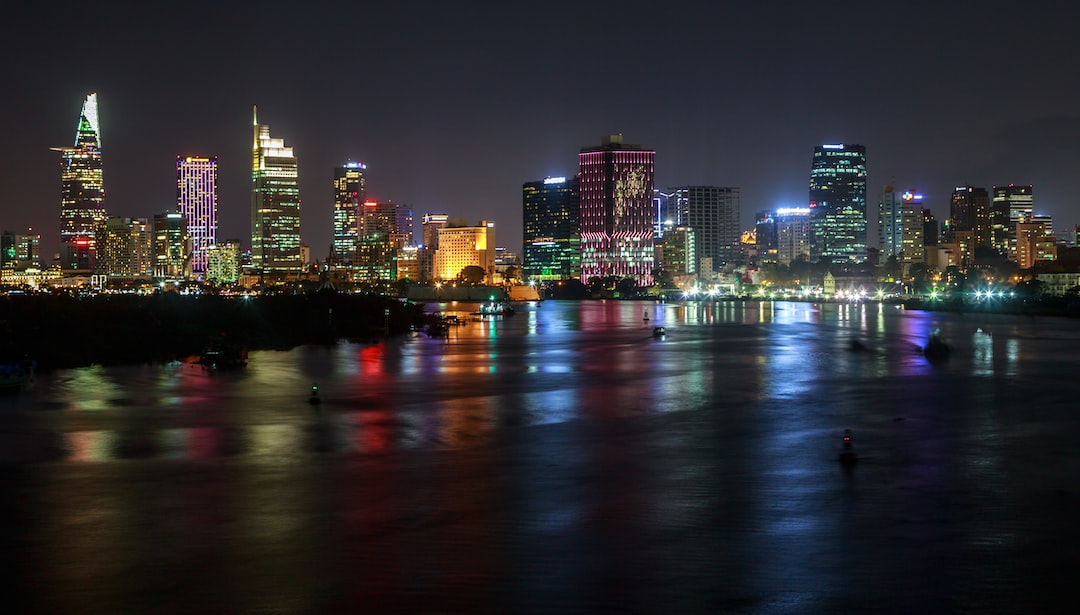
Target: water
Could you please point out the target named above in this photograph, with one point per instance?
(564, 459)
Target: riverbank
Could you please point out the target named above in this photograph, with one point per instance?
(63, 331)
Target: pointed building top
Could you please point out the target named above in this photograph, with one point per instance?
(89, 118)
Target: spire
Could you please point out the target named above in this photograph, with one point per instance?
(89, 118)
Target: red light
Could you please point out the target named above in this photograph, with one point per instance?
(371, 203)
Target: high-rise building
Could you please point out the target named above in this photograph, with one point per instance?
(968, 226)
(551, 212)
(792, 234)
(890, 233)
(617, 215)
(20, 251)
(172, 246)
(429, 228)
(464, 246)
(1013, 203)
(765, 236)
(124, 247)
(838, 203)
(912, 231)
(82, 192)
(678, 251)
(349, 194)
(275, 204)
(223, 262)
(713, 212)
(670, 211)
(196, 199)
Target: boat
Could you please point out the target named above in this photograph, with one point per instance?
(223, 357)
(659, 332)
(16, 374)
(847, 453)
(494, 308)
(936, 349)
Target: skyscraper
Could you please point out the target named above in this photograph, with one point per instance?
(349, 193)
(838, 203)
(196, 199)
(968, 226)
(1011, 204)
(617, 214)
(172, 246)
(275, 203)
(124, 247)
(713, 212)
(551, 212)
(82, 193)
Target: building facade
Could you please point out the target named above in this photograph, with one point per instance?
(464, 246)
(197, 200)
(172, 246)
(792, 234)
(551, 212)
(1012, 204)
(617, 216)
(223, 263)
(275, 204)
(82, 191)
(124, 247)
(349, 193)
(838, 203)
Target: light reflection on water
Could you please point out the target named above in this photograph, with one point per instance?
(555, 363)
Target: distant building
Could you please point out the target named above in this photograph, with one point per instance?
(551, 213)
(968, 225)
(464, 246)
(223, 263)
(196, 199)
(430, 226)
(678, 251)
(20, 251)
(82, 192)
(912, 231)
(838, 203)
(1034, 243)
(889, 230)
(275, 204)
(171, 246)
(349, 193)
(792, 234)
(124, 247)
(617, 211)
(713, 212)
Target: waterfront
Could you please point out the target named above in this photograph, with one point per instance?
(564, 459)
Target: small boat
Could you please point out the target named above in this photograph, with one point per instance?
(221, 357)
(645, 316)
(313, 399)
(936, 349)
(658, 332)
(847, 453)
(494, 309)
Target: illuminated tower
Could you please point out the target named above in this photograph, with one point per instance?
(551, 210)
(617, 211)
(196, 199)
(348, 195)
(82, 194)
(1011, 204)
(275, 204)
(838, 203)
(713, 212)
(172, 246)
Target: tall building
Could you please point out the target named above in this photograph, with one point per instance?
(464, 246)
(275, 204)
(223, 263)
(968, 226)
(1011, 204)
(82, 192)
(124, 247)
(349, 193)
(792, 234)
(196, 199)
(912, 231)
(20, 251)
(429, 228)
(838, 203)
(172, 246)
(889, 217)
(713, 212)
(617, 213)
(551, 211)
(677, 251)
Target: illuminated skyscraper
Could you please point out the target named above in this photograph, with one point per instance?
(223, 262)
(465, 246)
(550, 213)
(82, 193)
(429, 228)
(838, 203)
(713, 212)
(124, 247)
(1011, 204)
(349, 193)
(196, 199)
(275, 204)
(617, 214)
(172, 246)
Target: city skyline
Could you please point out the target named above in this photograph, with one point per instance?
(460, 130)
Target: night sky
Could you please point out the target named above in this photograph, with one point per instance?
(453, 105)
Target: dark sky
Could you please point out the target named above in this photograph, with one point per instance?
(453, 105)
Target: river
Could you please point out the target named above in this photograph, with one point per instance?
(564, 459)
